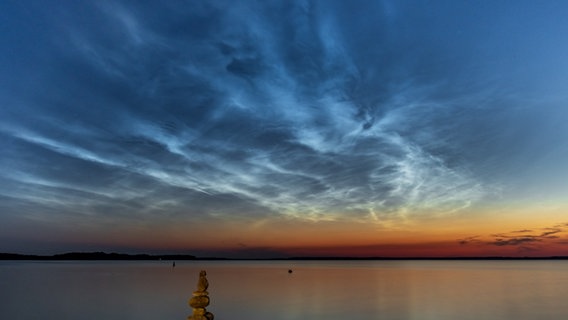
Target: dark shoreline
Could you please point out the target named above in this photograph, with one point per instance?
(181, 257)
(94, 256)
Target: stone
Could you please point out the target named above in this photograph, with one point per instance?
(200, 299)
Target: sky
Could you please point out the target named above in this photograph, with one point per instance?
(258, 129)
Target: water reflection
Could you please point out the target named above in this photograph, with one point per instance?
(419, 290)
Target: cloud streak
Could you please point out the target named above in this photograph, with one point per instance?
(522, 240)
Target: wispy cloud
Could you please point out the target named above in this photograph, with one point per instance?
(281, 115)
(469, 240)
(523, 240)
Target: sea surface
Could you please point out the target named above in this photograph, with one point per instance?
(251, 290)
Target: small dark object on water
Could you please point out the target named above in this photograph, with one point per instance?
(174, 265)
(289, 270)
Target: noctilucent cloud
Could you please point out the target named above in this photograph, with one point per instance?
(284, 128)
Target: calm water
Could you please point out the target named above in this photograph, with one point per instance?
(420, 290)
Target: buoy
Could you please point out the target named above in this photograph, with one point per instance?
(289, 270)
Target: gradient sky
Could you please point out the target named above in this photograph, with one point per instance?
(284, 128)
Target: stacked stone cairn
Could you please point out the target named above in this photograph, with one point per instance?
(200, 300)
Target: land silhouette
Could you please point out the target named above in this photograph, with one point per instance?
(95, 256)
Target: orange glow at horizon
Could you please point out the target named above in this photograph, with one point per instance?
(512, 232)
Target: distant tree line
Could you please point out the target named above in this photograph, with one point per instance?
(95, 256)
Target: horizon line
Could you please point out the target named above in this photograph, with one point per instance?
(100, 255)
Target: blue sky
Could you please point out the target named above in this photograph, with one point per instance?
(194, 114)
